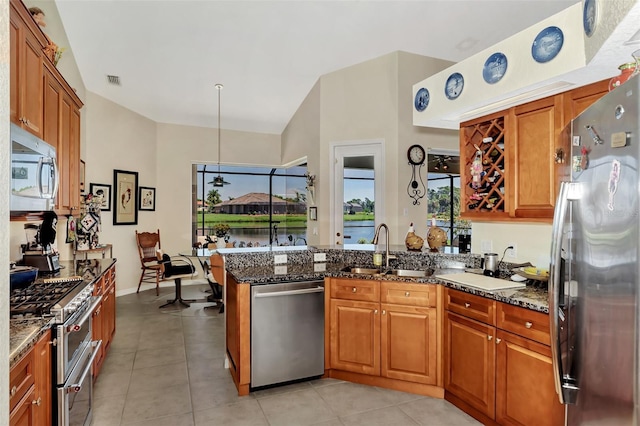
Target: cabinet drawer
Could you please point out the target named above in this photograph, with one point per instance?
(471, 306)
(524, 322)
(408, 294)
(351, 289)
(21, 379)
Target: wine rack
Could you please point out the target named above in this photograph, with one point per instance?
(487, 192)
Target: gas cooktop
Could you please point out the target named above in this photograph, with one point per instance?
(40, 298)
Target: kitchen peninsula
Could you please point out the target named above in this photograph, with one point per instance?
(425, 335)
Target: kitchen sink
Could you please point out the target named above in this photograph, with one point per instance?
(396, 272)
(359, 270)
(410, 273)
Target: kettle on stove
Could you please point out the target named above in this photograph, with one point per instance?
(490, 264)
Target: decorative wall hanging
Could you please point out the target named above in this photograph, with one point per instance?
(454, 85)
(147, 199)
(82, 174)
(416, 190)
(494, 68)
(125, 193)
(547, 44)
(421, 102)
(589, 16)
(102, 192)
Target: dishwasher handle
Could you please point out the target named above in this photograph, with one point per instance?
(290, 292)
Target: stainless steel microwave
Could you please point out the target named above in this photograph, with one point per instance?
(34, 173)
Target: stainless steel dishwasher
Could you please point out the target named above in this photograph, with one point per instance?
(287, 332)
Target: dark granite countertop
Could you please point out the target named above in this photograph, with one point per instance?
(24, 333)
(259, 269)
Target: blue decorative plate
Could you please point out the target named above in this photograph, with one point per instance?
(589, 16)
(547, 44)
(454, 85)
(422, 99)
(494, 68)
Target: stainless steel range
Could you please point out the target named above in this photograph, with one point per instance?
(70, 302)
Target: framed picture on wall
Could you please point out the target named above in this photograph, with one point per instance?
(125, 192)
(102, 190)
(147, 199)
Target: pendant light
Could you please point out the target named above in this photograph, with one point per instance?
(218, 181)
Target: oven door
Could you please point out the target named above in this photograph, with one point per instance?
(75, 397)
(72, 339)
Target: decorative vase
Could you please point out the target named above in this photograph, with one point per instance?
(627, 71)
(221, 243)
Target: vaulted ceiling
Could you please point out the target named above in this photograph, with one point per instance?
(268, 54)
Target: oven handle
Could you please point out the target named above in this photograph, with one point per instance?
(78, 324)
(77, 387)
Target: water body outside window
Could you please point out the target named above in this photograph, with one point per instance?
(262, 206)
(359, 205)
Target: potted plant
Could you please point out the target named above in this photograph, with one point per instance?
(222, 234)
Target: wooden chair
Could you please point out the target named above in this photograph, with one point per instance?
(148, 244)
(217, 279)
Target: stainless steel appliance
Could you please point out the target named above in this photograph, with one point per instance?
(287, 332)
(37, 252)
(69, 302)
(34, 173)
(490, 264)
(594, 273)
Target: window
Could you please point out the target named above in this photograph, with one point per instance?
(262, 206)
(443, 195)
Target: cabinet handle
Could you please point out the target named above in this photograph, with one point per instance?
(14, 389)
(375, 312)
(489, 337)
(112, 290)
(384, 312)
(353, 290)
(498, 340)
(407, 294)
(528, 324)
(37, 401)
(467, 304)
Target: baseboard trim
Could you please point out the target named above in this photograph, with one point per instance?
(163, 284)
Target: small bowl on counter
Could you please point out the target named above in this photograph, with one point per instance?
(22, 276)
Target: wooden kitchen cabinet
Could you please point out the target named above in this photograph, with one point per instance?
(355, 336)
(523, 155)
(26, 91)
(62, 130)
(238, 332)
(104, 316)
(30, 386)
(385, 333)
(498, 362)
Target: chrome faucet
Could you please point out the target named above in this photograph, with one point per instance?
(387, 256)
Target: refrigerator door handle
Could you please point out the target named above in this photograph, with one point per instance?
(565, 386)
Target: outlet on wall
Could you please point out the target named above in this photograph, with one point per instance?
(280, 258)
(512, 252)
(486, 246)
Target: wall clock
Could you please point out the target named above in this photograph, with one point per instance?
(416, 188)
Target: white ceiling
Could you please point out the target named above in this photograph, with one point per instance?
(268, 54)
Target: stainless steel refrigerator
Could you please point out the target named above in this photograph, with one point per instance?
(595, 268)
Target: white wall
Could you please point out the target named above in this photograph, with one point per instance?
(533, 240)
(119, 138)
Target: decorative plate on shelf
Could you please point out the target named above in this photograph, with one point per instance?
(421, 101)
(454, 85)
(547, 44)
(494, 68)
(589, 16)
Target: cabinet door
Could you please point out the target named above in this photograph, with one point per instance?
(97, 334)
(43, 380)
(15, 43)
(525, 393)
(24, 412)
(32, 86)
(355, 336)
(109, 320)
(535, 130)
(408, 343)
(51, 121)
(469, 356)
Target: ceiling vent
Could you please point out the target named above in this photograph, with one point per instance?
(113, 79)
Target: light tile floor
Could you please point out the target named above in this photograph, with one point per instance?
(166, 368)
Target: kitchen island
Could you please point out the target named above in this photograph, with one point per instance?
(400, 332)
